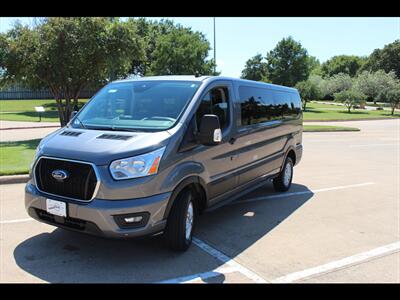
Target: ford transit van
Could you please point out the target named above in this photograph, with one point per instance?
(147, 156)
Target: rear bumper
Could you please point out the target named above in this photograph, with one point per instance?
(97, 216)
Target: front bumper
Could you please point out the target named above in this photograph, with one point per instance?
(97, 216)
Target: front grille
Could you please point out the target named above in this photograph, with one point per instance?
(66, 222)
(73, 223)
(80, 183)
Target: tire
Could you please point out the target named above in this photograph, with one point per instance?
(176, 234)
(282, 183)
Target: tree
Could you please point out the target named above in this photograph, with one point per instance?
(391, 95)
(309, 90)
(346, 64)
(387, 59)
(255, 69)
(171, 49)
(148, 31)
(335, 84)
(288, 63)
(315, 65)
(122, 44)
(181, 52)
(349, 98)
(69, 54)
(3, 54)
(371, 84)
(320, 83)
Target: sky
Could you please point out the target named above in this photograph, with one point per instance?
(240, 38)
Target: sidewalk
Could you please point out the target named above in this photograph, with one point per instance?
(19, 131)
(8, 125)
(367, 107)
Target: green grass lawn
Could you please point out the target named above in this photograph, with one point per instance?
(327, 128)
(16, 157)
(326, 112)
(24, 110)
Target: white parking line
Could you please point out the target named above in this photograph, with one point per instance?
(322, 141)
(228, 261)
(229, 266)
(374, 145)
(335, 265)
(302, 192)
(16, 221)
(205, 275)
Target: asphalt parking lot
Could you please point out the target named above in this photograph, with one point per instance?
(340, 222)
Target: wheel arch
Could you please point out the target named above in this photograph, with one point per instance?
(196, 184)
(290, 152)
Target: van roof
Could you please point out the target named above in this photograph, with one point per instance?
(166, 77)
(208, 78)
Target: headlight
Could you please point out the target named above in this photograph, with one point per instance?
(137, 166)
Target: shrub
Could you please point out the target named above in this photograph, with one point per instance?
(335, 84)
(349, 98)
(372, 83)
(391, 95)
(309, 90)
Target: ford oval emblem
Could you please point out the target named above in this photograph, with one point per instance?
(59, 175)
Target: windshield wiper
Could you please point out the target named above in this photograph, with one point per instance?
(123, 129)
(113, 128)
(80, 122)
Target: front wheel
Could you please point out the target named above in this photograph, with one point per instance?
(283, 182)
(181, 222)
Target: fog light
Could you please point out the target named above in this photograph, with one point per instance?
(133, 219)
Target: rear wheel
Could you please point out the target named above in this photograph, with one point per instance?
(181, 222)
(283, 182)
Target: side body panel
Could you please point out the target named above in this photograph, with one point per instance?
(263, 146)
(217, 159)
(247, 155)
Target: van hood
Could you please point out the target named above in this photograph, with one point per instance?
(100, 146)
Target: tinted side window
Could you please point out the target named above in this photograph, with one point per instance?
(216, 102)
(296, 104)
(256, 105)
(282, 101)
(288, 105)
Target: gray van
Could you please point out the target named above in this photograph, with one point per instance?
(147, 156)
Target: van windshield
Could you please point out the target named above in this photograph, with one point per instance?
(140, 105)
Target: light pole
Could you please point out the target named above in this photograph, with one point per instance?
(215, 51)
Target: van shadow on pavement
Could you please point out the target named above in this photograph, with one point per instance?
(63, 256)
(235, 227)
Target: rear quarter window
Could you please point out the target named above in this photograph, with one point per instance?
(256, 105)
(259, 105)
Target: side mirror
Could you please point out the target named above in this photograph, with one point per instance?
(210, 130)
(73, 114)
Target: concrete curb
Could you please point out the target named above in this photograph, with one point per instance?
(331, 130)
(14, 179)
(352, 120)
